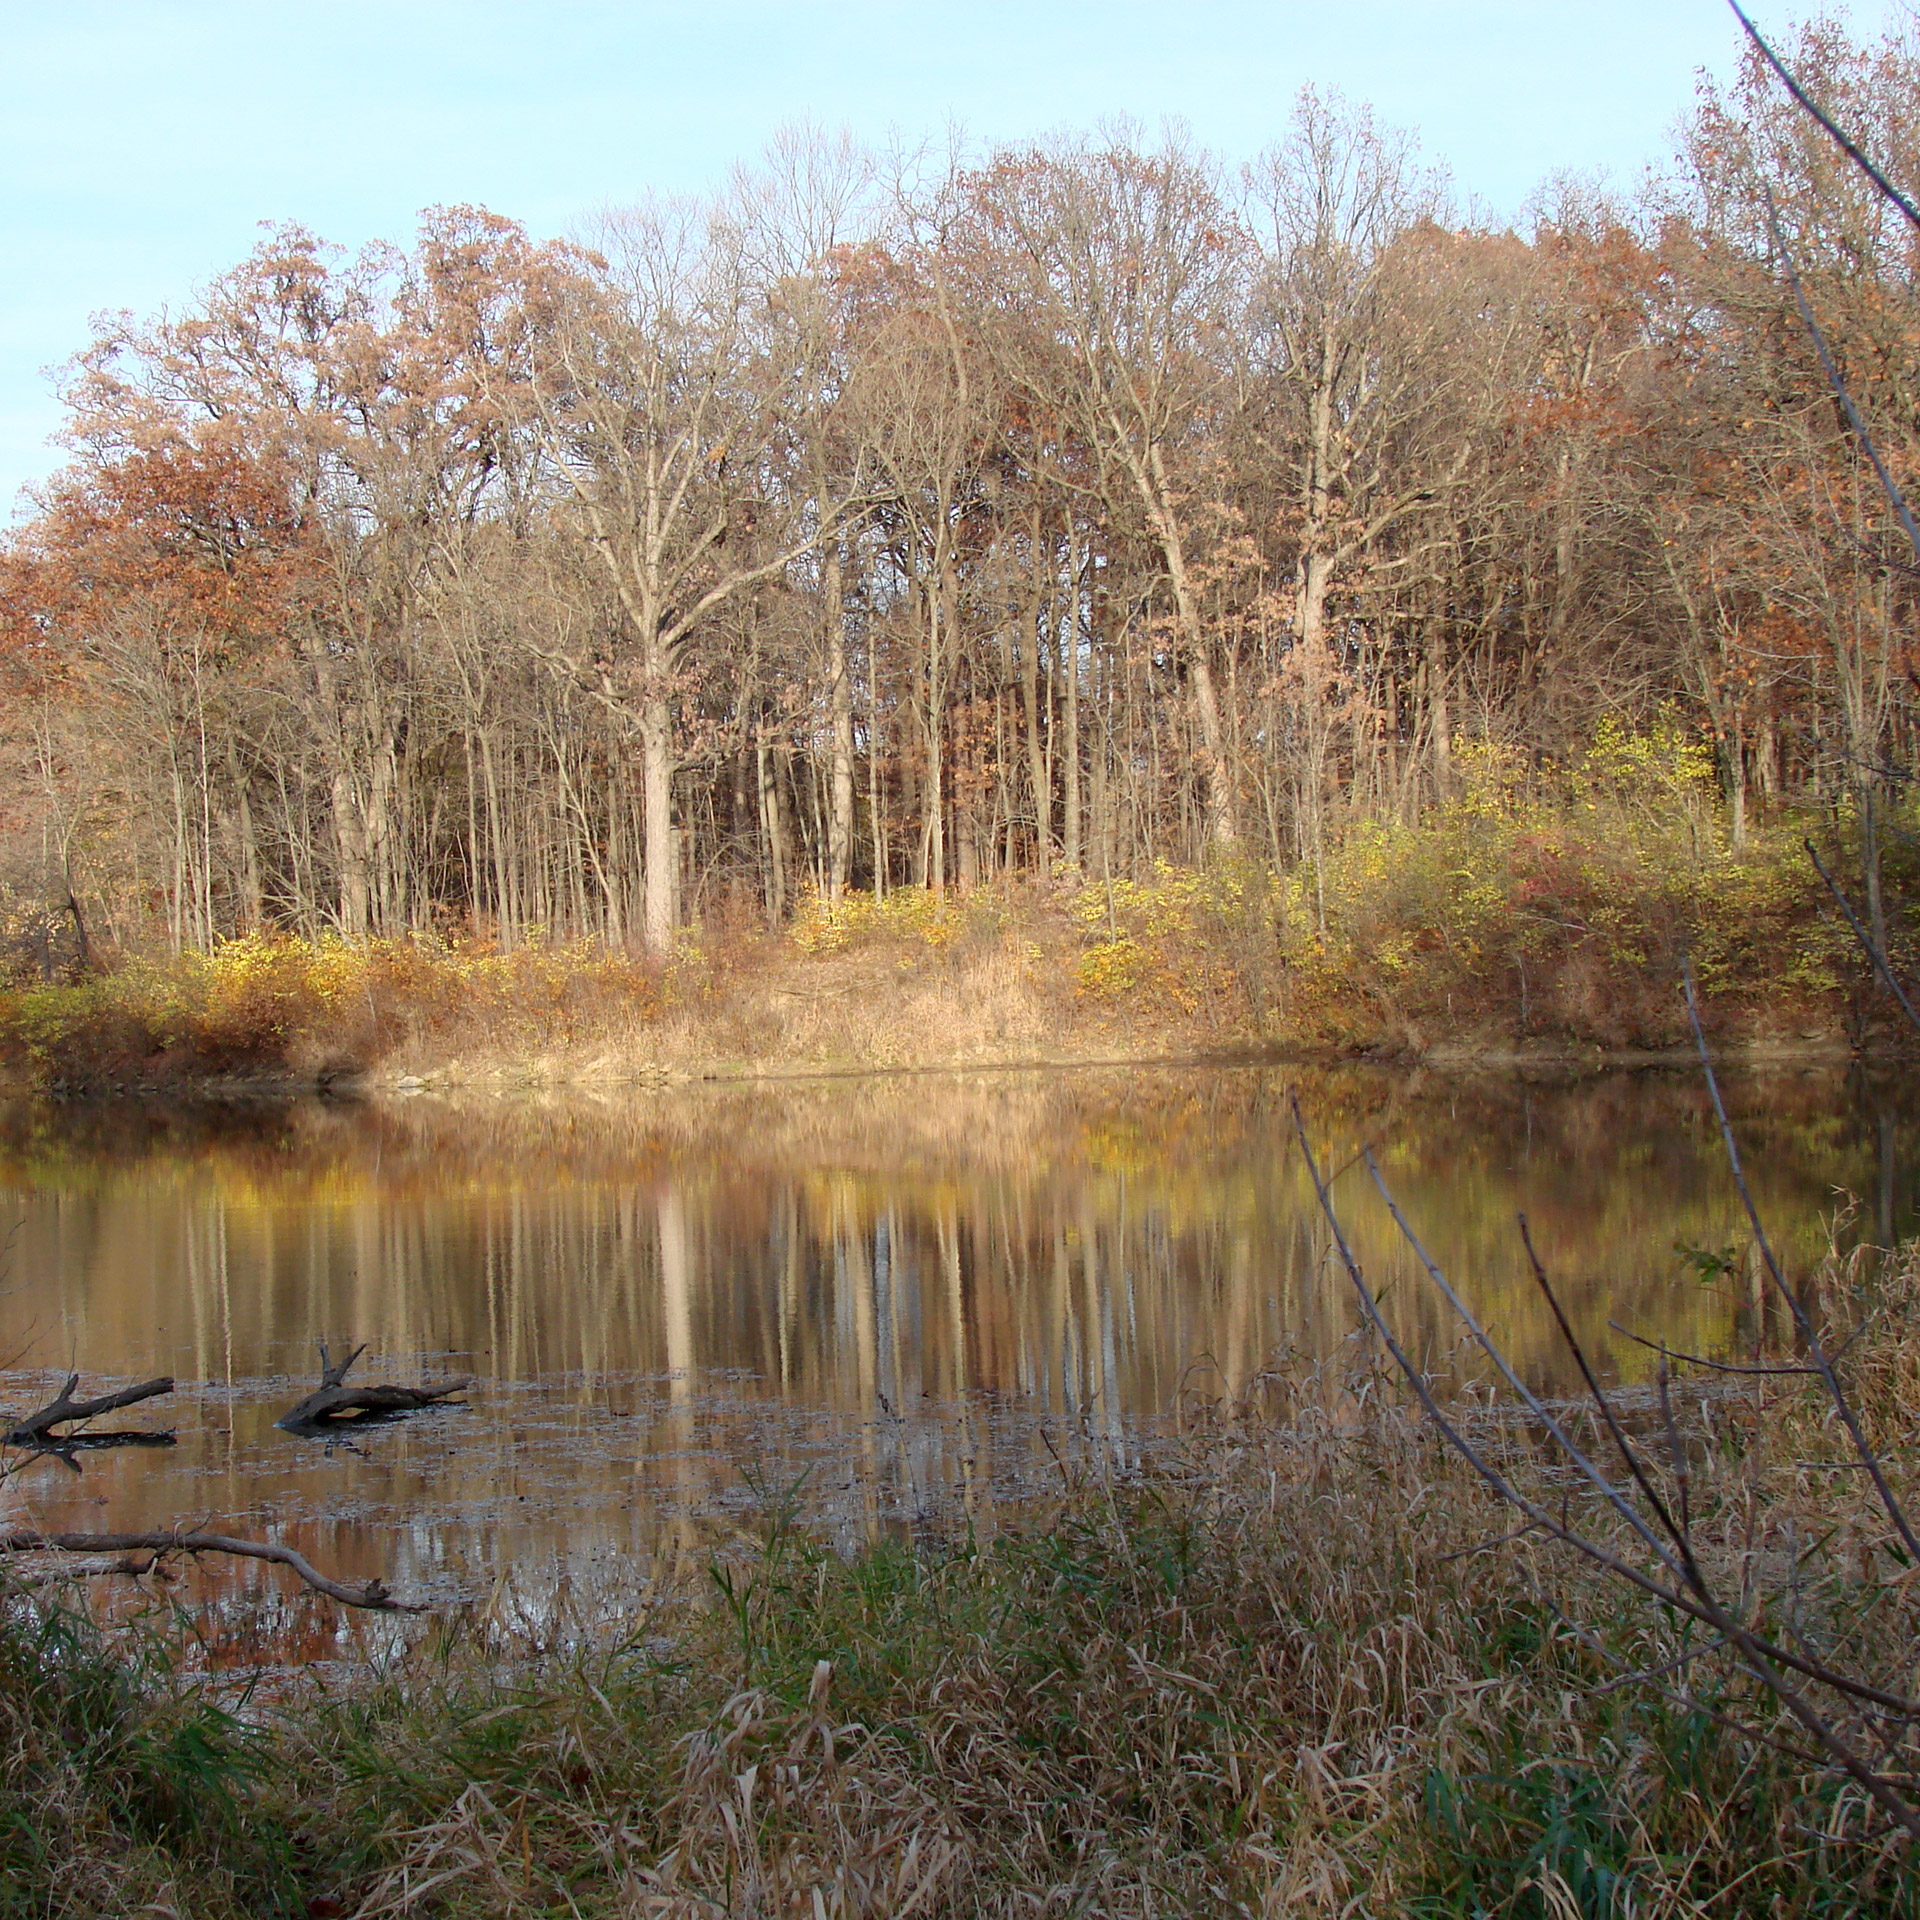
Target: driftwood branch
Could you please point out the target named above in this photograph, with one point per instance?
(331, 1374)
(333, 1400)
(373, 1595)
(38, 1427)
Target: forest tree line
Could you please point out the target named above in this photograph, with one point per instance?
(1086, 507)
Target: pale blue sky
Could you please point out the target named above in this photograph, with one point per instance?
(141, 141)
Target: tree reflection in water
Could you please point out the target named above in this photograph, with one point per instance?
(918, 1292)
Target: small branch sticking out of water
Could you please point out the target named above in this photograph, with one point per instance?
(333, 1401)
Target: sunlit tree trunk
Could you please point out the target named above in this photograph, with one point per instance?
(840, 721)
(1070, 757)
(661, 853)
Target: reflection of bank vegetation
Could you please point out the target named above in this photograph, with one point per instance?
(918, 1260)
(1178, 1186)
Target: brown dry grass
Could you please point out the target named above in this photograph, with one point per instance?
(964, 985)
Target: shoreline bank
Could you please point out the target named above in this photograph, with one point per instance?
(1190, 973)
(602, 1070)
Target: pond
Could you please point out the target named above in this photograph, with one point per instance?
(903, 1297)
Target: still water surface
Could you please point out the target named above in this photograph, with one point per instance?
(917, 1291)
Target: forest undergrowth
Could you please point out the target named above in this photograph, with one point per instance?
(1304, 1666)
(1501, 926)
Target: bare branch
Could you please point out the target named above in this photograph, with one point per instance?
(373, 1596)
(1850, 148)
(1834, 379)
(1690, 1593)
(64, 1408)
(1802, 1320)
(1868, 944)
(1700, 1360)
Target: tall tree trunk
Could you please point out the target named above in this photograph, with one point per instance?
(876, 820)
(772, 830)
(247, 841)
(1223, 824)
(1041, 597)
(1070, 758)
(660, 854)
(1737, 778)
(1439, 718)
(380, 839)
(943, 595)
(350, 835)
(840, 709)
(503, 915)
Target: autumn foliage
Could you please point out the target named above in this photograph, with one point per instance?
(1090, 514)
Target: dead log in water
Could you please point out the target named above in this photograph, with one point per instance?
(37, 1428)
(333, 1402)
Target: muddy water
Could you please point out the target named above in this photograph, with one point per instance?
(907, 1296)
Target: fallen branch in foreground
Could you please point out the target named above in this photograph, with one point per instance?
(373, 1595)
(64, 1408)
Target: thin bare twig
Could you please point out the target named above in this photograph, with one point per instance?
(1481, 1546)
(1534, 1405)
(1644, 1674)
(1688, 1591)
(1847, 146)
(1700, 1360)
(1676, 1594)
(1594, 1388)
(1802, 1320)
(1834, 379)
(1866, 940)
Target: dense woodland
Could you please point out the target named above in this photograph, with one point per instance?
(1085, 507)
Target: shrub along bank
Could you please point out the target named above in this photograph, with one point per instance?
(1505, 924)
